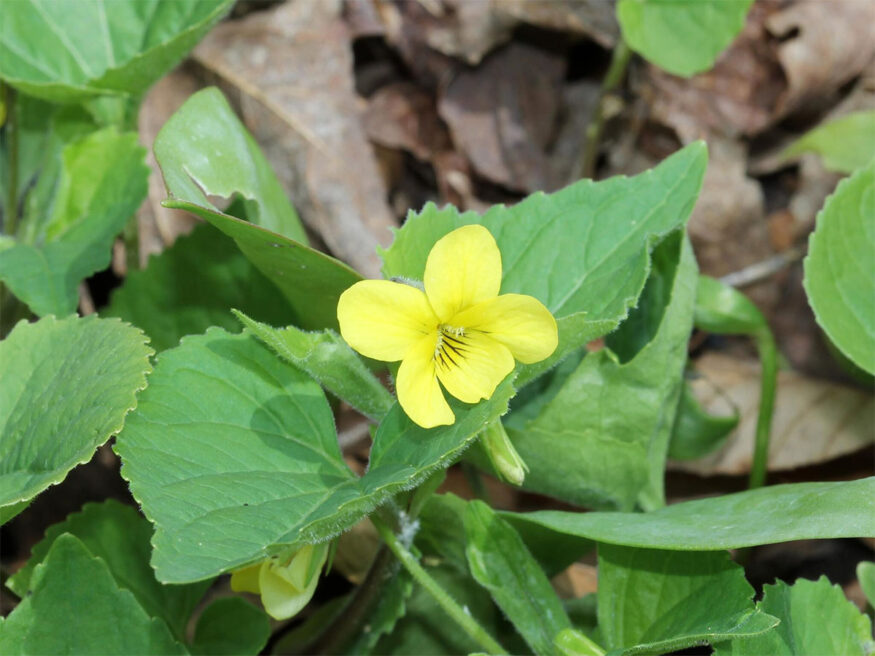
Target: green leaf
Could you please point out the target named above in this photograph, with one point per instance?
(602, 439)
(695, 432)
(654, 602)
(73, 50)
(866, 576)
(217, 278)
(330, 361)
(845, 144)
(74, 606)
(816, 618)
(684, 37)
(103, 180)
(119, 536)
(205, 149)
(500, 562)
(222, 412)
(275, 241)
(839, 278)
(67, 386)
(780, 513)
(231, 626)
(724, 310)
(387, 611)
(583, 251)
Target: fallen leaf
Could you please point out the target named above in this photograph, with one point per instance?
(576, 581)
(595, 19)
(292, 70)
(728, 227)
(736, 97)
(814, 420)
(401, 115)
(502, 115)
(825, 45)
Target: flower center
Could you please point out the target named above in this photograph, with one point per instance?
(451, 346)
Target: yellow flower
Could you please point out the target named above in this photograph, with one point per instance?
(285, 583)
(459, 331)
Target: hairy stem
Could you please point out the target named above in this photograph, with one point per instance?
(768, 383)
(444, 600)
(616, 71)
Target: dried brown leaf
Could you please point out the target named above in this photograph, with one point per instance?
(502, 115)
(292, 70)
(814, 421)
(595, 19)
(827, 44)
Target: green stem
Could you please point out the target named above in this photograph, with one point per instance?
(616, 71)
(12, 136)
(768, 384)
(444, 600)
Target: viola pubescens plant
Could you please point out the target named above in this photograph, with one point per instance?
(232, 451)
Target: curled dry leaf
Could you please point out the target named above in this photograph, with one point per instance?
(502, 115)
(305, 116)
(814, 421)
(831, 43)
(158, 226)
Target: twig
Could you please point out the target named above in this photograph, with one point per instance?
(616, 71)
(762, 270)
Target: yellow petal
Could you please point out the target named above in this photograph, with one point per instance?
(382, 319)
(470, 366)
(520, 322)
(463, 269)
(246, 579)
(418, 391)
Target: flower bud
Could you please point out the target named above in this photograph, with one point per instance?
(285, 582)
(503, 456)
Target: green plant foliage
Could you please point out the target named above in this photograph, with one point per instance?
(388, 610)
(72, 50)
(583, 251)
(205, 149)
(67, 386)
(816, 618)
(653, 602)
(684, 37)
(725, 310)
(330, 361)
(611, 419)
(845, 144)
(231, 626)
(424, 629)
(500, 562)
(222, 413)
(866, 576)
(274, 241)
(103, 179)
(695, 432)
(839, 278)
(74, 606)
(779, 513)
(119, 536)
(193, 285)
